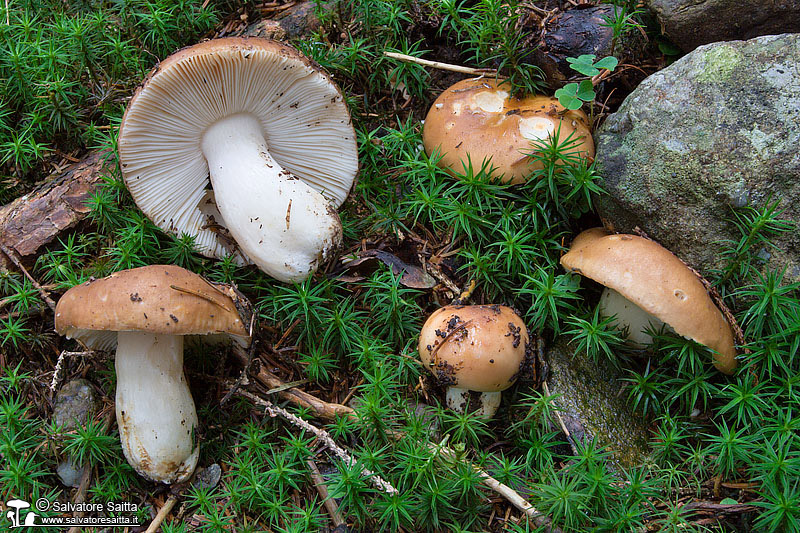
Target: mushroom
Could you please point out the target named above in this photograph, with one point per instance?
(474, 348)
(479, 118)
(645, 284)
(146, 312)
(272, 133)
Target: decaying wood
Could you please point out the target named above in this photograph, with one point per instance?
(35, 219)
(325, 410)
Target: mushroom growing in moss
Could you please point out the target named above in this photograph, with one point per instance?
(647, 286)
(247, 146)
(474, 348)
(145, 313)
(479, 119)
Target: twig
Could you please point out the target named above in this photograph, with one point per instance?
(80, 496)
(561, 422)
(16, 260)
(63, 355)
(322, 488)
(442, 66)
(242, 379)
(162, 514)
(325, 410)
(273, 410)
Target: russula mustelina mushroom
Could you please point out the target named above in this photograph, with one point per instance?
(145, 313)
(270, 131)
(647, 285)
(480, 119)
(474, 348)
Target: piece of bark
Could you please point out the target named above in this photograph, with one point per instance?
(298, 21)
(35, 219)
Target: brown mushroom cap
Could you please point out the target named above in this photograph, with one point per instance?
(475, 117)
(160, 299)
(658, 282)
(475, 347)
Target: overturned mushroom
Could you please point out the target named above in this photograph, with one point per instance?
(145, 313)
(474, 348)
(479, 119)
(647, 286)
(272, 133)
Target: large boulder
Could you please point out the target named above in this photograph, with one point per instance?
(691, 23)
(718, 129)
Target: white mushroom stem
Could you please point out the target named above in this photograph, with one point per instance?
(488, 404)
(629, 316)
(282, 224)
(155, 410)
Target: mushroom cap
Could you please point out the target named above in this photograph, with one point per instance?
(475, 117)
(301, 111)
(658, 282)
(475, 347)
(160, 299)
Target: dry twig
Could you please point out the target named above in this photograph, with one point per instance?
(18, 263)
(273, 410)
(322, 488)
(442, 66)
(162, 514)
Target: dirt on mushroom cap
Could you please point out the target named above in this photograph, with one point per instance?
(475, 347)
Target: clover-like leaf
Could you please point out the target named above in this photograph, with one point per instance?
(609, 63)
(586, 91)
(584, 64)
(568, 96)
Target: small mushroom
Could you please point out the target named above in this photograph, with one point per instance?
(145, 313)
(474, 348)
(646, 285)
(479, 118)
(271, 132)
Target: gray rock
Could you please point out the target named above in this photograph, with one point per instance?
(717, 129)
(69, 473)
(74, 403)
(593, 404)
(691, 23)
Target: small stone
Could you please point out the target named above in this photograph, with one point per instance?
(74, 404)
(208, 477)
(69, 473)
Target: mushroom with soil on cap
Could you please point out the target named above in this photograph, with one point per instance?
(145, 313)
(479, 119)
(646, 285)
(269, 130)
(474, 348)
